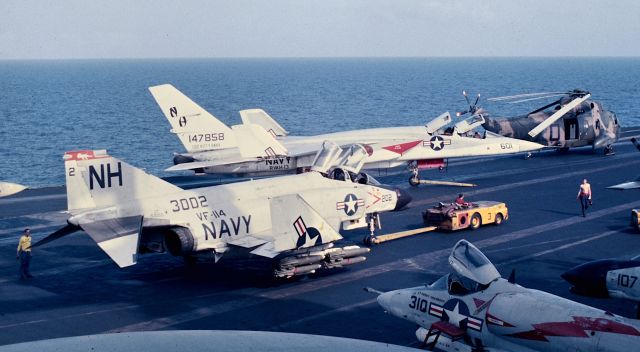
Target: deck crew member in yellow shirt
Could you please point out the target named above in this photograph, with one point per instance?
(24, 254)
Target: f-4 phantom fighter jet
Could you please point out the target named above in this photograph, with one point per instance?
(607, 278)
(475, 309)
(292, 221)
(260, 146)
(571, 121)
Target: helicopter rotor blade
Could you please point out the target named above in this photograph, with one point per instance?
(536, 98)
(557, 115)
(464, 92)
(526, 95)
(477, 99)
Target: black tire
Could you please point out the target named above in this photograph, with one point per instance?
(499, 219)
(414, 181)
(368, 240)
(190, 261)
(475, 222)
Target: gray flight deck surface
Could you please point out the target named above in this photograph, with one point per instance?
(78, 290)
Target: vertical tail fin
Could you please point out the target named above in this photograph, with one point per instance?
(197, 129)
(260, 117)
(95, 179)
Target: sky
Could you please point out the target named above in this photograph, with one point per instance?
(79, 29)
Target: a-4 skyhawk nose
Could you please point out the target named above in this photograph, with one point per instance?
(384, 300)
(394, 303)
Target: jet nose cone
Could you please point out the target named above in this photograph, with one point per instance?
(588, 279)
(384, 300)
(526, 146)
(404, 198)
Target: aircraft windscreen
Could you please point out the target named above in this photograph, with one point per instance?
(469, 262)
(472, 257)
(440, 284)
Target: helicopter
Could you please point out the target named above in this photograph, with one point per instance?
(572, 120)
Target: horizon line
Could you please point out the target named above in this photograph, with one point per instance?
(319, 57)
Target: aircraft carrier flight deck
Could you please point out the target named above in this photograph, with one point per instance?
(78, 290)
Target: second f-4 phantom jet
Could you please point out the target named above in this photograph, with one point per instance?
(290, 222)
(260, 146)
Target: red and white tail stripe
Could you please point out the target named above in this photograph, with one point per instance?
(85, 155)
(270, 152)
(300, 226)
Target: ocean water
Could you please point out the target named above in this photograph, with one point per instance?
(49, 107)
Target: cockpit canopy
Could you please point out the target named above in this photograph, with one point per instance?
(343, 164)
(437, 123)
(352, 159)
(469, 262)
(327, 157)
(471, 122)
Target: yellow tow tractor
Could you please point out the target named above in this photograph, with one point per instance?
(452, 217)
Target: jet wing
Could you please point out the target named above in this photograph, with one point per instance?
(248, 241)
(294, 224)
(304, 149)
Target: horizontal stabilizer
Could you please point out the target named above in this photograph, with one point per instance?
(255, 142)
(67, 230)
(118, 237)
(260, 117)
(208, 163)
(295, 224)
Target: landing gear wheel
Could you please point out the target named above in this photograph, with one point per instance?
(608, 150)
(498, 220)
(528, 156)
(414, 181)
(190, 260)
(476, 221)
